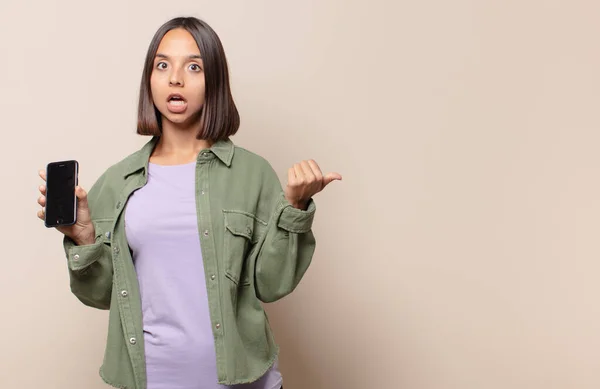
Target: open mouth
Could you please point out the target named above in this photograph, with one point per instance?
(176, 103)
(176, 99)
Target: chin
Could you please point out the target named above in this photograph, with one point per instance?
(176, 118)
(179, 118)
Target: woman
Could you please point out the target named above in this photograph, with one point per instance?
(183, 239)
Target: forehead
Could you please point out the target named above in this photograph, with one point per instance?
(178, 42)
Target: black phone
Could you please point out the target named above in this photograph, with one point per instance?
(61, 202)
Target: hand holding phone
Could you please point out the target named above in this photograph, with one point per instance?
(65, 203)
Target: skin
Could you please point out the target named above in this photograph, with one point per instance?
(178, 68)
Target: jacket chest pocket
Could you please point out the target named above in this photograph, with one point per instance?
(237, 244)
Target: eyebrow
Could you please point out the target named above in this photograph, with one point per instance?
(193, 56)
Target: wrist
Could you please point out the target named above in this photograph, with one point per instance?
(302, 205)
(85, 239)
(297, 202)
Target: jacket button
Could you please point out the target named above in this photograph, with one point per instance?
(132, 340)
(76, 257)
(107, 234)
(205, 232)
(218, 325)
(213, 277)
(124, 293)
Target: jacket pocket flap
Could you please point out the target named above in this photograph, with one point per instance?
(240, 224)
(103, 229)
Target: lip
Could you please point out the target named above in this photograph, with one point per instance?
(176, 95)
(177, 108)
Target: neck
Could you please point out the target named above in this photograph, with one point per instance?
(179, 144)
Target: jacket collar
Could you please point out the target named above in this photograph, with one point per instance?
(223, 149)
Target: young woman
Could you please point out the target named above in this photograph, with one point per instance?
(184, 239)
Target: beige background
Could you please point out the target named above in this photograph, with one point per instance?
(461, 249)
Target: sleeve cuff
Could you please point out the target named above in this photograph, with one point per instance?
(296, 220)
(80, 257)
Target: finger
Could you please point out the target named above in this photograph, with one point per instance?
(331, 177)
(81, 197)
(40, 214)
(299, 173)
(316, 170)
(291, 175)
(308, 173)
(42, 174)
(42, 201)
(42, 189)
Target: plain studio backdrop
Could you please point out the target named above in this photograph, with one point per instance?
(459, 252)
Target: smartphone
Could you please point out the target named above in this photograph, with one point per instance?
(61, 202)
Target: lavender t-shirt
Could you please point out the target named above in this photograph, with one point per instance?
(162, 231)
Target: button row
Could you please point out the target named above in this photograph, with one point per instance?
(212, 277)
(132, 340)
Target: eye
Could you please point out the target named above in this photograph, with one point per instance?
(197, 67)
(160, 63)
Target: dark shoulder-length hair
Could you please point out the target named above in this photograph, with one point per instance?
(219, 116)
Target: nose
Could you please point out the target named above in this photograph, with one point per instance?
(175, 78)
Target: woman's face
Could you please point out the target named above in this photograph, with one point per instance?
(178, 69)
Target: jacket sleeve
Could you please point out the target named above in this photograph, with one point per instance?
(287, 247)
(90, 266)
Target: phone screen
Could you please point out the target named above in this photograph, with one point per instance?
(61, 204)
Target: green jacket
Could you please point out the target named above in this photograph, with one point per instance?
(256, 248)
